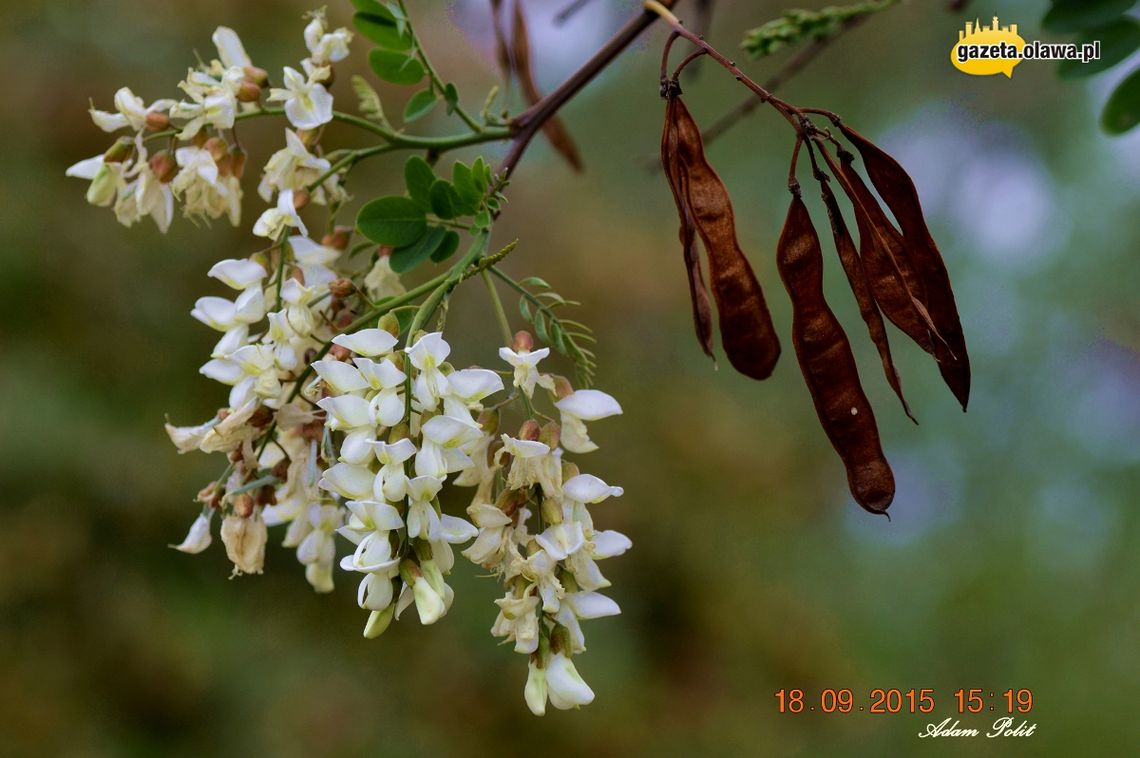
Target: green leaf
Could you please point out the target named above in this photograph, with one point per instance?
(369, 104)
(535, 281)
(481, 173)
(406, 258)
(1122, 112)
(368, 6)
(1118, 40)
(447, 248)
(420, 105)
(465, 187)
(444, 202)
(419, 177)
(1078, 15)
(482, 220)
(524, 309)
(394, 67)
(381, 28)
(451, 96)
(395, 221)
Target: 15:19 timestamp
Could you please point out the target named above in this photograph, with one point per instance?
(894, 700)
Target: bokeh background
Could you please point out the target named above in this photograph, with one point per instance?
(1011, 559)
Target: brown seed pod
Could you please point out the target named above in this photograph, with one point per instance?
(857, 278)
(897, 190)
(746, 328)
(698, 290)
(828, 366)
(554, 129)
(883, 252)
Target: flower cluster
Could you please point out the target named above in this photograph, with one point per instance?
(203, 163)
(346, 421)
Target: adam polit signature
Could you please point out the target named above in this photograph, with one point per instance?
(1003, 727)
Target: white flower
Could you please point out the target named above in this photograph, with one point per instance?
(239, 274)
(525, 363)
(131, 110)
(318, 550)
(223, 315)
(494, 534)
(314, 260)
(271, 223)
(245, 539)
(427, 355)
(294, 167)
(518, 621)
(466, 390)
(213, 102)
(581, 406)
(307, 103)
(198, 538)
(532, 463)
(391, 483)
(201, 188)
(583, 605)
(535, 691)
(367, 342)
(107, 180)
(430, 604)
(565, 686)
(325, 47)
(423, 521)
(146, 196)
(381, 281)
(440, 452)
(587, 488)
(562, 540)
(348, 480)
(230, 49)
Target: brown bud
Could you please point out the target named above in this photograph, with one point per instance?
(123, 149)
(243, 505)
(208, 495)
(339, 353)
(163, 166)
(157, 121)
(262, 416)
(200, 138)
(281, 470)
(529, 430)
(384, 251)
(255, 75)
(301, 198)
(309, 136)
(489, 422)
(237, 155)
(341, 287)
(523, 342)
(248, 92)
(217, 147)
(562, 387)
(267, 495)
(550, 434)
(338, 238)
(235, 456)
(344, 318)
(313, 431)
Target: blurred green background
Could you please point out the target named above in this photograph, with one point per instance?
(1010, 561)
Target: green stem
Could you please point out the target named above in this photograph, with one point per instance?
(497, 306)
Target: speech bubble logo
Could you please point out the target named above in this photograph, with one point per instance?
(987, 50)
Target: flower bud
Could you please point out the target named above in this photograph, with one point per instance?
(338, 238)
(389, 323)
(489, 422)
(378, 622)
(341, 287)
(562, 387)
(339, 353)
(255, 75)
(529, 430)
(156, 121)
(217, 147)
(398, 432)
(248, 92)
(550, 434)
(551, 510)
(237, 155)
(104, 187)
(243, 505)
(309, 136)
(523, 342)
(569, 470)
(301, 198)
(163, 166)
(123, 149)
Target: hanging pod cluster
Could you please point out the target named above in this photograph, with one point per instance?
(894, 271)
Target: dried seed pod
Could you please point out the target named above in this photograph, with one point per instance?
(554, 129)
(897, 190)
(828, 365)
(857, 278)
(698, 290)
(746, 329)
(883, 252)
